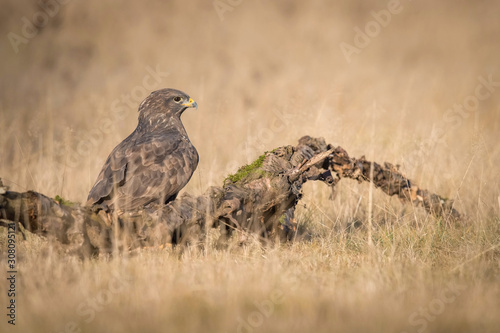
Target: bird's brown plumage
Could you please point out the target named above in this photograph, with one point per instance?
(154, 162)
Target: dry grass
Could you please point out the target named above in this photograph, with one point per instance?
(267, 61)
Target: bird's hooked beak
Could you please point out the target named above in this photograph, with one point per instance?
(190, 104)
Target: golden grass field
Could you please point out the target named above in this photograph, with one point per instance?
(264, 73)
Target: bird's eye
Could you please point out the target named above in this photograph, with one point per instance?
(177, 99)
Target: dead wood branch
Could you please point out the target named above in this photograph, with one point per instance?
(260, 198)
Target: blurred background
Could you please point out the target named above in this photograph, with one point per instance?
(378, 78)
(415, 83)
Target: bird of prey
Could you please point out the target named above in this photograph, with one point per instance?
(153, 163)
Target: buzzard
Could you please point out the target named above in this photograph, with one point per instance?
(153, 163)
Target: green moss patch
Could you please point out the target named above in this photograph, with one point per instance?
(253, 169)
(63, 201)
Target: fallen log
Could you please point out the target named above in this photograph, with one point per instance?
(260, 198)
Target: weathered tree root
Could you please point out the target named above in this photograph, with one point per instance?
(260, 198)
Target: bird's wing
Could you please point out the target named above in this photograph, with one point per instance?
(112, 173)
(139, 172)
(160, 180)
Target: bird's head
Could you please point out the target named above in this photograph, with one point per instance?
(165, 103)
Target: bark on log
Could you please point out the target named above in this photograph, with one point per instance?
(260, 198)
